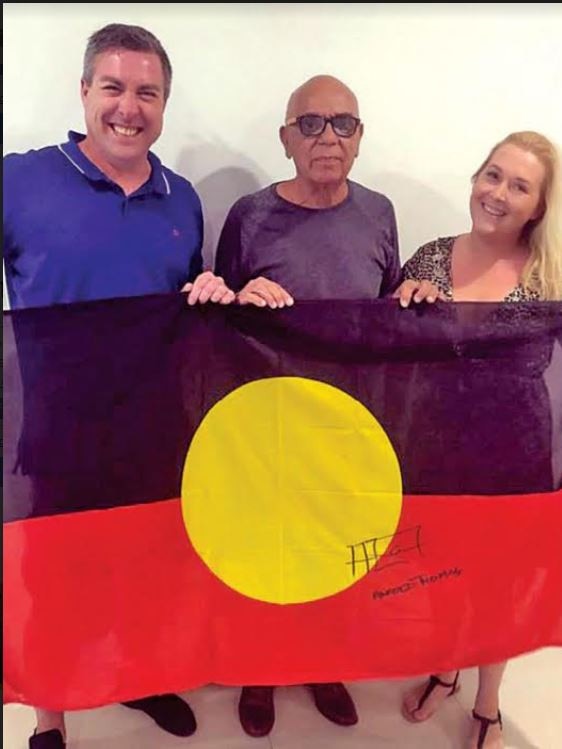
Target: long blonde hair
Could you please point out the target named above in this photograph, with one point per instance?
(543, 271)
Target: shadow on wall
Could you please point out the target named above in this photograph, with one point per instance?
(220, 188)
(422, 213)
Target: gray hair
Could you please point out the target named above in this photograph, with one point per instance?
(124, 36)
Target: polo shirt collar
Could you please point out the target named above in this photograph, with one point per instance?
(157, 182)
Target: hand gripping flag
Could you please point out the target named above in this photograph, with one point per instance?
(335, 491)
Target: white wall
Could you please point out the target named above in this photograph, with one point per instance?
(438, 84)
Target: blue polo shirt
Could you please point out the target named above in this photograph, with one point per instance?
(71, 234)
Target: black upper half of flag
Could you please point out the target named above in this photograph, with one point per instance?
(102, 399)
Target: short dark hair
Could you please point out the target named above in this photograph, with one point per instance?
(125, 36)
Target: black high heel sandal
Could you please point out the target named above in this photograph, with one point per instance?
(434, 681)
(485, 723)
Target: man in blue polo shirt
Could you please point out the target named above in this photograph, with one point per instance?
(99, 216)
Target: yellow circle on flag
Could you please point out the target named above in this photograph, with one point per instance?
(291, 490)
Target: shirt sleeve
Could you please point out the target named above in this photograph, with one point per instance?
(392, 276)
(412, 267)
(426, 265)
(228, 258)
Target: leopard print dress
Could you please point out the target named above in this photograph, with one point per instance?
(432, 262)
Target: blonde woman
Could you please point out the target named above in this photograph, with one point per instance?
(513, 252)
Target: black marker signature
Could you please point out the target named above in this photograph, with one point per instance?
(415, 582)
(373, 552)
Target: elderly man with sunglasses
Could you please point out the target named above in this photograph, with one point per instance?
(315, 236)
(318, 235)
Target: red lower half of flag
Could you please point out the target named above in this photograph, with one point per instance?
(109, 605)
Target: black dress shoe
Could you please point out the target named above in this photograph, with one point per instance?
(169, 711)
(47, 740)
(335, 703)
(256, 710)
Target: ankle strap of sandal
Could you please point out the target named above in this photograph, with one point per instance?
(452, 684)
(436, 681)
(485, 724)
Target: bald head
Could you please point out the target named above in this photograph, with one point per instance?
(315, 93)
(324, 145)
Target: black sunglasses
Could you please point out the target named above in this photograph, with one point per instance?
(312, 125)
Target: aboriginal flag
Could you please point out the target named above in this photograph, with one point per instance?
(336, 491)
